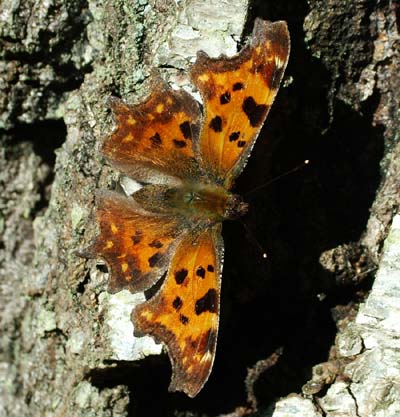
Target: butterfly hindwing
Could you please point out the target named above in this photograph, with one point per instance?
(155, 141)
(137, 245)
(184, 313)
(237, 94)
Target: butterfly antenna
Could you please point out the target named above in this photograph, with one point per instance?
(253, 239)
(302, 165)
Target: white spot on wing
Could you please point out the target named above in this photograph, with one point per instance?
(206, 357)
(129, 185)
(278, 62)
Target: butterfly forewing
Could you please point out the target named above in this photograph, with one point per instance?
(155, 141)
(184, 313)
(237, 93)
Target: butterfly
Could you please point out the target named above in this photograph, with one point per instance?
(187, 157)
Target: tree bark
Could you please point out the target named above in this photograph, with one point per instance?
(67, 345)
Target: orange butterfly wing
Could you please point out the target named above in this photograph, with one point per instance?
(158, 141)
(155, 141)
(137, 245)
(184, 313)
(237, 93)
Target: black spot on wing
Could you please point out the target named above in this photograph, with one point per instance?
(207, 303)
(183, 319)
(241, 143)
(237, 86)
(177, 303)
(186, 130)
(137, 237)
(181, 275)
(210, 268)
(234, 136)
(255, 112)
(153, 260)
(201, 272)
(216, 124)
(156, 244)
(225, 98)
(156, 140)
(179, 143)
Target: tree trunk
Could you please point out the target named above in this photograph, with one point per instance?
(67, 347)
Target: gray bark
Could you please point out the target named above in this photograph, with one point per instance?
(60, 61)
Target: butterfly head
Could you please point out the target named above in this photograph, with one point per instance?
(235, 207)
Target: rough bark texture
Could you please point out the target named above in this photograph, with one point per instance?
(66, 345)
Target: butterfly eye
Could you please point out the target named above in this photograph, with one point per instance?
(189, 197)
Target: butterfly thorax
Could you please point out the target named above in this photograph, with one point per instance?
(192, 200)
